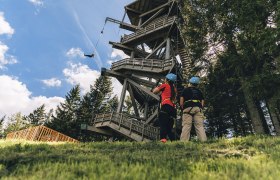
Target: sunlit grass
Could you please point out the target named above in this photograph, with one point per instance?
(238, 158)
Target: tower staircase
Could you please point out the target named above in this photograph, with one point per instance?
(153, 47)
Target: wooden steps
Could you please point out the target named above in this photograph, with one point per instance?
(123, 124)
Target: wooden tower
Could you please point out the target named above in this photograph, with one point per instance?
(154, 47)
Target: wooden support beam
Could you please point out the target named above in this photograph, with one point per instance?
(99, 130)
(133, 101)
(155, 9)
(147, 91)
(143, 48)
(146, 110)
(157, 48)
(167, 50)
(132, 10)
(117, 75)
(152, 116)
(119, 110)
(120, 46)
(152, 17)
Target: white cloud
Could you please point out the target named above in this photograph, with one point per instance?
(5, 58)
(81, 74)
(37, 2)
(15, 97)
(84, 76)
(5, 27)
(118, 54)
(75, 52)
(53, 82)
(117, 87)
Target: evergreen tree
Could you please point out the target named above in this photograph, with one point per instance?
(37, 117)
(15, 123)
(67, 117)
(97, 101)
(1, 126)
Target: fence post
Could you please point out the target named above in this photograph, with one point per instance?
(143, 128)
(103, 118)
(120, 121)
(130, 128)
(111, 117)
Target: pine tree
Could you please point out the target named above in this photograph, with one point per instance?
(37, 117)
(97, 101)
(67, 116)
(1, 126)
(16, 122)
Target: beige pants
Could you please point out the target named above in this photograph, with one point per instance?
(198, 124)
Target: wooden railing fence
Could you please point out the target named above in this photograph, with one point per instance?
(40, 133)
(157, 24)
(142, 62)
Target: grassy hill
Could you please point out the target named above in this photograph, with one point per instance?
(240, 158)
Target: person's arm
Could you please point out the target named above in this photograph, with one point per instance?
(156, 90)
(202, 103)
(182, 102)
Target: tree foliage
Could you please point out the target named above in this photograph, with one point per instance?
(234, 41)
(67, 115)
(77, 110)
(37, 117)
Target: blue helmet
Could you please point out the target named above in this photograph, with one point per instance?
(171, 77)
(194, 80)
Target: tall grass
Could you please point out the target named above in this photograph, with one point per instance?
(239, 158)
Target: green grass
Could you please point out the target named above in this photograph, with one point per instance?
(240, 158)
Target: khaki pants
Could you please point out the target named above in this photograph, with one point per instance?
(188, 115)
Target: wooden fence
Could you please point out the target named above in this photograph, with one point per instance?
(40, 133)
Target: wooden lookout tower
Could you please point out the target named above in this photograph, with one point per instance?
(155, 48)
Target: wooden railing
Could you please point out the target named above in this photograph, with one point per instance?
(129, 123)
(155, 25)
(40, 133)
(141, 62)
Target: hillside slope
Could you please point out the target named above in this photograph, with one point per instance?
(240, 158)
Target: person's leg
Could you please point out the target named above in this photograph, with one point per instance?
(163, 120)
(198, 124)
(186, 125)
(172, 115)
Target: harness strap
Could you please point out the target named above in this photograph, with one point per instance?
(165, 100)
(189, 112)
(193, 100)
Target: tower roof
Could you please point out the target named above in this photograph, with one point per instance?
(138, 7)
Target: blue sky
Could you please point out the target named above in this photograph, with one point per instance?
(41, 49)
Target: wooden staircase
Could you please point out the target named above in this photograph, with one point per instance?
(128, 126)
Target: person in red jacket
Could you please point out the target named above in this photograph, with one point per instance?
(167, 112)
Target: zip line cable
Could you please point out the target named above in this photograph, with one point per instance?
(95, 46)
(102, 32)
